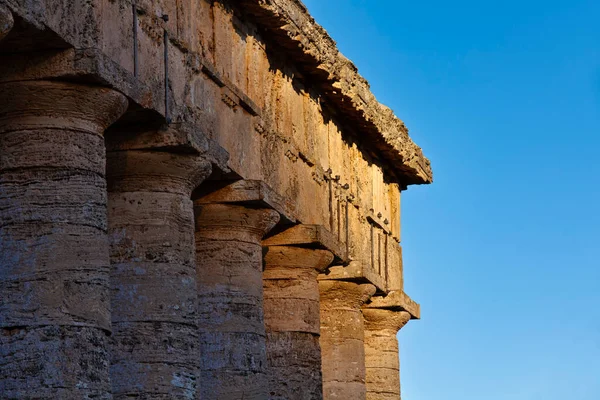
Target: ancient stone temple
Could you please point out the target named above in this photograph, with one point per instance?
(198, 200)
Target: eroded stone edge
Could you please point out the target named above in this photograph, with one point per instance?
(290, 21)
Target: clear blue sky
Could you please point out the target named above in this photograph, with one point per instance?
(503, 250)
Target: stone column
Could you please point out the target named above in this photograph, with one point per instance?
(292, 321)
(381, 352)
(54, 274)
(342, 339)
(153, 273)
(232, 331)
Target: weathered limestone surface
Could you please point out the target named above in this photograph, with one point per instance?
(267, 84)
(340, 82)
(292, 321)
(396, 300)
(230, 299)
(155, 351)
(203, 28)
(310, 236)
(252, 92)
(6, 21)
(251, 192)
(381, 352)
(342, 338)
(54, 263)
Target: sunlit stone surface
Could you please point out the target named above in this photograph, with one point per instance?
(198, 200)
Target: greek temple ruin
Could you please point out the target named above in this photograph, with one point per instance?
(198, 200)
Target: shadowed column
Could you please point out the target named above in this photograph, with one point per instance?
(232, 332)
(292, 321)
(54, 274)
(381, 352)
(342, 339)
(153, 275)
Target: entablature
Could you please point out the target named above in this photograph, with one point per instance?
(212, 77)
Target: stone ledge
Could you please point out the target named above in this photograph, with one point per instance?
(178, 137)
(355, 271)
(310, 236)
(396, 300)
(309, 44)
(252, 192)
(305, 42)
(93, 66)
(85, 65)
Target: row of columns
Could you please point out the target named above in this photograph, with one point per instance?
(115, 284)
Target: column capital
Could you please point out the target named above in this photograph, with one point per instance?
(286, 257)
(314, 236)
(347, 294)
(233, 222)
(6, 21)
(154, 171)
(291, 289)
(292, 320)
(254, 193)
(396, 300)
(82, 107)
(391, 321)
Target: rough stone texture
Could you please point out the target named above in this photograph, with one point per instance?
(396, 300)
(230, 298)
(292, 321)
(155, 352)
(313, 236)
(6, 21)
(250, 192)
(241, 81)
(54, 275)
(300, 35)
(381, 352)
(342, 339)
(258, 90)
(107, 25)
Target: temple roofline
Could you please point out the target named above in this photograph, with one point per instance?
(341, 85)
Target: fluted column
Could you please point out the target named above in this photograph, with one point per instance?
(381, 352)
(54, 262)
(6, 21)
(153, 273)
(342, 339)
(232, 332)
(292, 321)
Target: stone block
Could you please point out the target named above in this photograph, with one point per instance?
(309, 235)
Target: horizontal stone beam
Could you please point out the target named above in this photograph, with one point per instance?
(305, 43)
(342, 87)
(181, 137)
(76, 64)
(91, 65)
